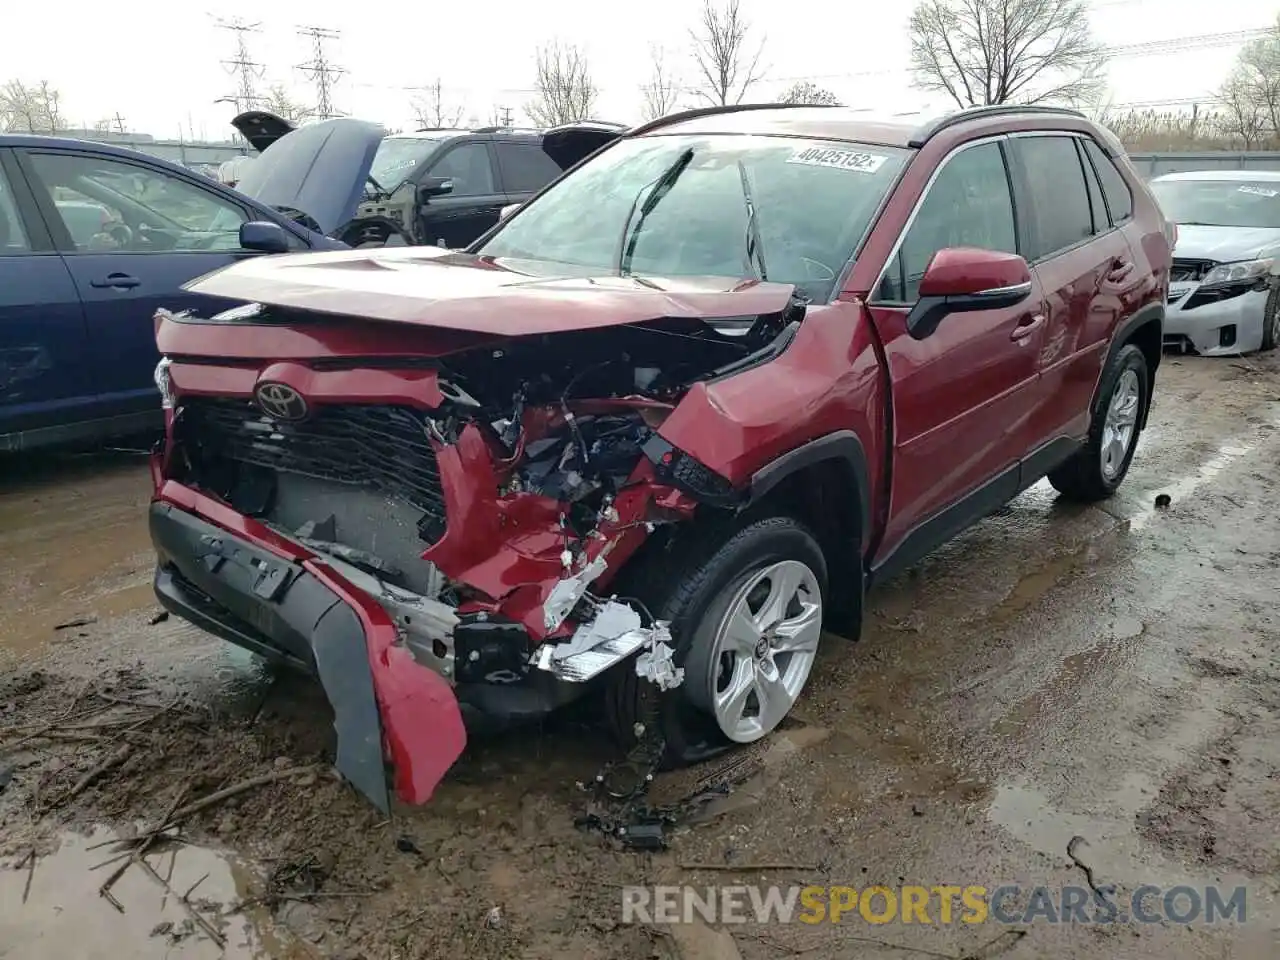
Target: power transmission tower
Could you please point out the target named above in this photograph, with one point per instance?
(320, 71)
(241, 66)
(506, 116)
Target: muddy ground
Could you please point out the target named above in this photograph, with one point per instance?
(1110, 673)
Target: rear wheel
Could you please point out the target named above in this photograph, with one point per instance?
(747, 618)
(1097, 469)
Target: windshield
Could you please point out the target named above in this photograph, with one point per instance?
(708, 206)
(1220, 203)
(397, 157)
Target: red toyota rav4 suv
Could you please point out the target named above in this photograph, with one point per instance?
(660, 426)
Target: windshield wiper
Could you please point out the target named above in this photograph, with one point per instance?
(755, 243)
(657, 188)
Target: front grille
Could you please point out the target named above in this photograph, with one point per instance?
(1190, 271)
(381, 448)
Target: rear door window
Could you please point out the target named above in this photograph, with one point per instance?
(1059, 195)
(525, 168)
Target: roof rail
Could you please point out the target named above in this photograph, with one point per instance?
(713, 111)
(933, 127)
(504, 129)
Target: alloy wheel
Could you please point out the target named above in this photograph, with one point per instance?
(1119, 429)
(764, 648)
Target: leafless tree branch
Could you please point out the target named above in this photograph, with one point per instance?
(431, 112)
(661, 92)
(722, 50)
(1250, 97)
(565, 90)
(1002, 51)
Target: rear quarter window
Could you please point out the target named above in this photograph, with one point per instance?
(1114, 185)
(525, 168)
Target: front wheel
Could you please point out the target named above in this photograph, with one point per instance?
(1096, 471)
(1271, 321)
(747, 618)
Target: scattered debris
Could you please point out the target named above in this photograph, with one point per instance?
(76, 622)
(1088, 870)
(114, 760)
(493, 919)
(160, 617)
(751, 867)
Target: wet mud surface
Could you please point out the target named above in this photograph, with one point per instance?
(1110, 673)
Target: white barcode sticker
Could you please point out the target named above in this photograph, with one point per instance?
(1259, 191)
(856, 160)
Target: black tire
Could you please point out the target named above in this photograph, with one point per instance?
(1271, 321)
(690, 583)
(1082, 478)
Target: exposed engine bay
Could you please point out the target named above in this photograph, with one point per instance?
(492, 526)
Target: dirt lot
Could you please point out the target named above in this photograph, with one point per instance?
(1109, 673)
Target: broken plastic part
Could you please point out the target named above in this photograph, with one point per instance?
(657, 664)
(613, 621)
(615, 634)
(566, 593)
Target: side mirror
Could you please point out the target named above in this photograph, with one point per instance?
(963, 279)
(434, 187)
(264, 236)
(508, 210)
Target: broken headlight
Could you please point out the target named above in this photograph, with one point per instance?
(1240, 272)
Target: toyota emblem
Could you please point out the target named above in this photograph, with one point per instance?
(279, 401)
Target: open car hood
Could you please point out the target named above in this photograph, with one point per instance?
(319, 169)
(261, 128)
(461, 292)
(572, 142)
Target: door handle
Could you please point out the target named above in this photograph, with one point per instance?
(119, 281)
(1120, 268)
(1028, 325)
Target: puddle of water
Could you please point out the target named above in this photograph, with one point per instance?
(65, 917)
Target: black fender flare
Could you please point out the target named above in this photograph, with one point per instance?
(842, 445)
(1123, 335)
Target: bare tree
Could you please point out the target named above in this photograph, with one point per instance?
(1006, 51)
(280, 102)
(31, 109)
(661, 91)
(723, 51)
(431, 112)
(565, 90)
(1250, 97)
(803, 91)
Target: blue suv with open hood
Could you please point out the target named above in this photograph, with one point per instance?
(93, 238)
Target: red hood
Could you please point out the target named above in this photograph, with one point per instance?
(458, 291)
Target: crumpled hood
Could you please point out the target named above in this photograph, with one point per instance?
(319, 169)
(431, 287)
(1224, 244)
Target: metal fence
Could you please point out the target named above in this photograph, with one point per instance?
(1154, 164)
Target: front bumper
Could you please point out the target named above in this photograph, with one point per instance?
(1225, 328)
(252, 588)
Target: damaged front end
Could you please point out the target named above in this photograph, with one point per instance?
(432, 536)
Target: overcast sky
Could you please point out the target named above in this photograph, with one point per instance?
(159, 64)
